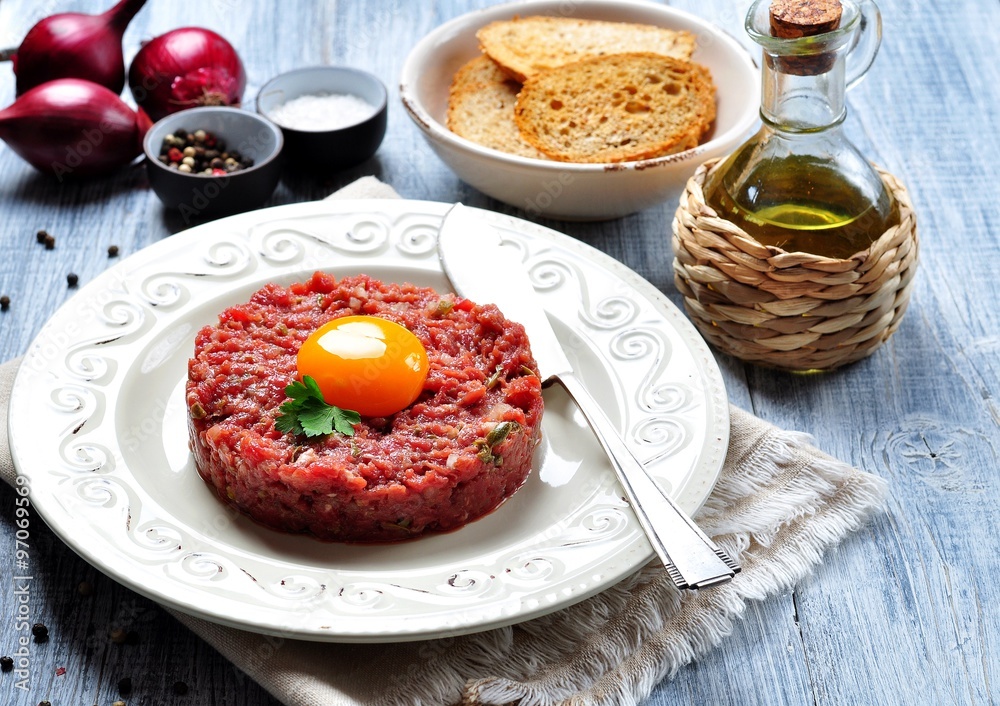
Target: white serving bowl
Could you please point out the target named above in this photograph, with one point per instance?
(567, 190)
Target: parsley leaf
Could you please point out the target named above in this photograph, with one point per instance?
(306, 412)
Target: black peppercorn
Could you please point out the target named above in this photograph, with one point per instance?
(50, 242)
(200, 153)
(112, 251)
(72, 279)
(180, 688)
(6, 663)
(125, 686)
(41, 235)
(4, 303)
(40, 632)
(44, 703)
(85, 588)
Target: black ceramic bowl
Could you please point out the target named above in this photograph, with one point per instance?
(328, 151)
(201, 195)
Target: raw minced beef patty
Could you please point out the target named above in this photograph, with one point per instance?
(455, 454)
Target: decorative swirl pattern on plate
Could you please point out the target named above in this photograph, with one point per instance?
(297, 588)
(282, 246)
(364, 595)
(665, 434)
(80, 360)
(74, 398)
(226, 259)
(204, 567)
(532, 568)
(604, 521)
(600, 524)
(369, 235)
(609, 313)
(87, 457)
(286, 241)
(124, 315)
(466, 583)
(642, 344)
(546, 275)
(87, 367)
(100, 491)
(157, 537)
(669, 397)
(164, 291)
(417, 239)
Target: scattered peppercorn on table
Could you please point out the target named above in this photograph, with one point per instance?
(909, 610)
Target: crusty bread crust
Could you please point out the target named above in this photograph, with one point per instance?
(524, 47)
(617, 108)
(481, 108)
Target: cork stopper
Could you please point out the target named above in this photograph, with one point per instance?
(791, 19)
(795, 19)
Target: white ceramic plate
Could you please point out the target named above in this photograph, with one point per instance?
(97, 428)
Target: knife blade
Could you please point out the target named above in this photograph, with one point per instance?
(465, 243)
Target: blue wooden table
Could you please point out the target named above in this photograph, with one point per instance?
(905, 612)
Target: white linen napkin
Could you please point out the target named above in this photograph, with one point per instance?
(779, 505)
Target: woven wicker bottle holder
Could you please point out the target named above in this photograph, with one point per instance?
(790, 310)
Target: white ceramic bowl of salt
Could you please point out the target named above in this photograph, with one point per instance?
(332, 117)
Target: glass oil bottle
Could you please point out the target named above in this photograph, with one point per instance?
(799, 184)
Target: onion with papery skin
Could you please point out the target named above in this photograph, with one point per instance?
(75, 45)
(70, 128)
(186, 68)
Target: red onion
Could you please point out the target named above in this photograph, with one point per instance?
(74, 45)
(186, 68)
(70, 127)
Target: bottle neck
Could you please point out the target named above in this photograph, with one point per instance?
(797, 102)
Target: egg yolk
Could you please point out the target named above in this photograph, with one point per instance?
(367, 364)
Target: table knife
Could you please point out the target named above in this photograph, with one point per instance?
(465, 242)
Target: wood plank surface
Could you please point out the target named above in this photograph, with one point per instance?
(907, 611)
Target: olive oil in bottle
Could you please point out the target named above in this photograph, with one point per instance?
(799, 184)
(799, 204)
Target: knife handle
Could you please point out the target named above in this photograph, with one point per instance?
(690, 557)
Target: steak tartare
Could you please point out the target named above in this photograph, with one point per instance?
(455, 454)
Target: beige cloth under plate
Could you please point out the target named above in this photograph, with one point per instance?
(779, 505)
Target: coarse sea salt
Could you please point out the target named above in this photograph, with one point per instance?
(322, 111)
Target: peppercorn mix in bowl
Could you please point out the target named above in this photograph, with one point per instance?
(213, 161)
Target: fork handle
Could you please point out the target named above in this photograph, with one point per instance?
(690, 557)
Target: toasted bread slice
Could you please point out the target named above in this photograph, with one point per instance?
(617, 108)
(481, 108)
(523, 47)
